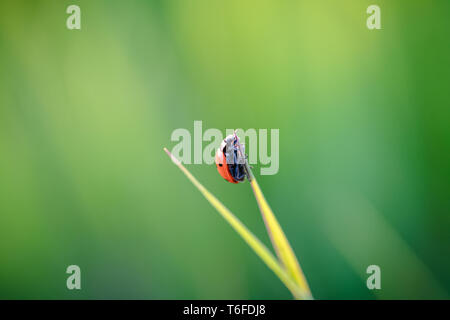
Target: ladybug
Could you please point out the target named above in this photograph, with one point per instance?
(230, 160)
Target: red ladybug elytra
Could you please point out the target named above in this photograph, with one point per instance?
(230, 161)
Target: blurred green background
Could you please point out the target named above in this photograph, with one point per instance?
(364, 146)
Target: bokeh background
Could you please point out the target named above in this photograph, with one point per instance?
(364, 146)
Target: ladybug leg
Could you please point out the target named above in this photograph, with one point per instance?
(237, 169)
(238, 172)
(242, 173)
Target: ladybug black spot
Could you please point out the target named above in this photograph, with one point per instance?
(220, 164)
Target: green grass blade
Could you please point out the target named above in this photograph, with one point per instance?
(279, 241)
(258, 247)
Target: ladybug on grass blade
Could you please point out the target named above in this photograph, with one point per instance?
(230, 160)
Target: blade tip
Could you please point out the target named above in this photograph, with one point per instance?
(174, 160)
